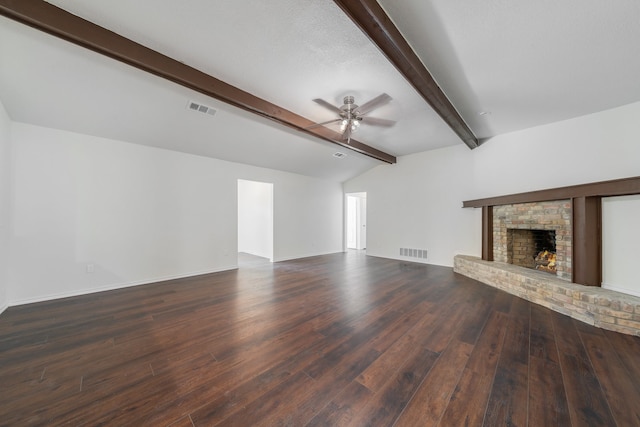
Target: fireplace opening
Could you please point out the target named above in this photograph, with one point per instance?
(535, 249)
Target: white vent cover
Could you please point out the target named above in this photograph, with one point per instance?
(194, 106)
(339, 155)
(413, 253)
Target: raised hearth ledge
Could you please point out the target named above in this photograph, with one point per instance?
(596, 306)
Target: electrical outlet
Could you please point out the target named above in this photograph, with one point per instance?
(91, 268)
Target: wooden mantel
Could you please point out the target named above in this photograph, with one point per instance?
(586, 210)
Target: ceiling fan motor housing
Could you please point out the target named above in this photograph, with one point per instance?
(349, 108)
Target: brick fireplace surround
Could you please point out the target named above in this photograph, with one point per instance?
(574, 213)
(553, 215)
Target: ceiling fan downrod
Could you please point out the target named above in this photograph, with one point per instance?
(350, 119)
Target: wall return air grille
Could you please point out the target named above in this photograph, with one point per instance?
(413, 253)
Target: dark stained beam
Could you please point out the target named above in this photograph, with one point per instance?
(487, 233)
(60, 23)
(616, 187)
(587, 240)
(376, 24)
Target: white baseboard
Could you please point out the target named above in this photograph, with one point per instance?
(410, 259)
(306, 256)
(112, 287)
(621, 290)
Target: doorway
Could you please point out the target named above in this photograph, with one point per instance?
(356, 220)
(255, 222)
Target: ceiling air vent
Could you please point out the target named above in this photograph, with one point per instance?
(339, 155)
(201, 108)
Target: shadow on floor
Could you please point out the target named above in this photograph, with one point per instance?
(249, 260)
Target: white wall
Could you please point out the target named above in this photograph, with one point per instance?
(621, 243)
(307, 217)
(591, 148)
(417, 202)
(255, 218)
(141, 214)
(5, 202)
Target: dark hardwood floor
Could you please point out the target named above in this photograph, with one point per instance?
(334, 340)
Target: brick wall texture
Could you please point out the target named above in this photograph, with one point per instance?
(553, 215)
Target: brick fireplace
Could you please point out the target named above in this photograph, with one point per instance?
(573, 215)
(520, 233)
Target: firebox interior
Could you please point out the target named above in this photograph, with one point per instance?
(534, 249)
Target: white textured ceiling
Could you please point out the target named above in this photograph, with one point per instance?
(528, 63)
(106, 98)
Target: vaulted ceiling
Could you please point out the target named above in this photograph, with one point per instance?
(501, 66)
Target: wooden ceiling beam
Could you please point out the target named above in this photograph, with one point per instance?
(376, 24)
(60, 23)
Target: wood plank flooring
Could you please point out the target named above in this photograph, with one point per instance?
(336, 340)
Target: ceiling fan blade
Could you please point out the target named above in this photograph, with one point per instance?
(328, 106)
(323, 123)
(376, 121)
(376, 102)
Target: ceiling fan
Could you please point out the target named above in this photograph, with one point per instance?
(351, 114)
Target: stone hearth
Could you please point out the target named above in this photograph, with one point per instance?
(596, 306)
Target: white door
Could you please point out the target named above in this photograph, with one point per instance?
(363, 223)
(356, 218)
